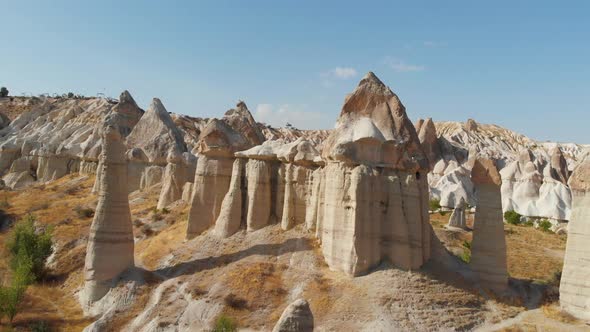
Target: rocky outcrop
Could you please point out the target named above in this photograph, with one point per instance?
(297, 317)
(110, 243)
(217, 144)
(175, 176)
(558, 166)
(457, 218)
(529, 192)
(429, 141)
(375, 194)
(574, 289)
(156, 134)
(488, 253)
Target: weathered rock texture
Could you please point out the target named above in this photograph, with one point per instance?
(376, 194)
(457, 218)
(218, 142)
(488, 254)
(574, 289)
(175, 176)
(110, 244)
(297, 317)
(156, 134)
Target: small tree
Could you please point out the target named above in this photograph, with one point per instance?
(3, 92)
(29, 246)
(71, 95)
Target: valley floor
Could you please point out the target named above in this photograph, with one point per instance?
(252, 277)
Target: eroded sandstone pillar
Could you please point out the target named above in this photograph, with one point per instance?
(232, 206)
(574, 290)
(212, 178)
(488, 253)
(110, 244)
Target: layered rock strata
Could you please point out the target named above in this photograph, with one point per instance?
(574, 289)
(110, 244)
(376, 192)
(218, 142)
(488, 248)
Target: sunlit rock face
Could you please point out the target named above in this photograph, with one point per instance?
(110, 244)
(488, 254)
(375, 194)
(218, 142)
(574, 289)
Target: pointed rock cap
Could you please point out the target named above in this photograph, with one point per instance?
(525, 156)
(242, 121)
(579, 181)
(559, 170)
(373, 128)
(484, 171)
(128, 112)
(471, 125)
(419, 124)
(156, 134)
(220, 139)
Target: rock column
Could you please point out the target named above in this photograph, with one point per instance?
(110, 244)
(574, 290)
(488, 254)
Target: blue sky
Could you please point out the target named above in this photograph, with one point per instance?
(524, 65)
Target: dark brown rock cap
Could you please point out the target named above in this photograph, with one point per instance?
(484, 171)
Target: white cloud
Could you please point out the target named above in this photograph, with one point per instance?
(430, 43)
(297, 115)
(344, 72)
(401, 66)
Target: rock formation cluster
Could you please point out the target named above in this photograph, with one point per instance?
(574, 289)
(365, 197)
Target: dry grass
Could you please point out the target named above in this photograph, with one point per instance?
(252, 287)
(531, 253)
(554, 312)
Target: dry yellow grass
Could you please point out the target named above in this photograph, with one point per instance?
(531, 253)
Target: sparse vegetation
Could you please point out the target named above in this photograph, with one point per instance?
(84, 213)
(40, 326)
(434, 204)
(29, 244)
(544, 225)
(29, 249)
(224, 324)
(3, 92)
(512, 217)
(466, 254)
(235, 302)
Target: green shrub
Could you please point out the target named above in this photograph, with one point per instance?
(41, 326)
(165, 210)
(225, 324)
(434, 204)
(512, 217)
(544, 225)
(466, 254)
(3, 92)
(29, 246)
